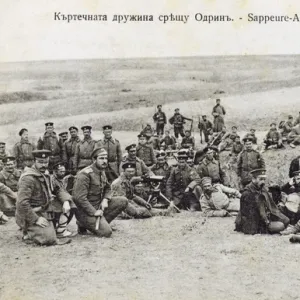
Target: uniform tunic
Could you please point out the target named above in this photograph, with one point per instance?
(218, 112)
(23, 154)
(83, 153)
(68, 153)
(212, 169)
(10, 179)
(146, 153)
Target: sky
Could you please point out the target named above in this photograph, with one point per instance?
(28, 30)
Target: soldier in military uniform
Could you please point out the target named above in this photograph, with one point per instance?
(188, 141)
(49, 141)
(183, 185)
(168, 142)
(204, 125)
(23, 150)
(210, 167)
(218, 112)
(178, 121)
(248, 160)
(145, 152)
(228, 139)
(63, 137)
(62, 205)
(140, 167)
(160, 119)
(35, 194)
(294, 166)
(84, 149)
(114, 152)
(68, 150)
(2, 154)
(5, 192)
(92, 196)
(273, 138)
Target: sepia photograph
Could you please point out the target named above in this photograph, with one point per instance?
(149, 150)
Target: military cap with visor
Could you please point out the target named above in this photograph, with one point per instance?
(86, 127)
(41, 153)
(99, 152)
(8, 159)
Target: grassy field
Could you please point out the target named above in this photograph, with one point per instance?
(179, 257)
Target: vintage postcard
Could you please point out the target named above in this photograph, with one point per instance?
(149, 149)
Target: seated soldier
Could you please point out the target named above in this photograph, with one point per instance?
(210, 167)
(183, 185)
(216, 137)
(237, 147)
(285, 127)
(137, 207)
(273, 138)
(154, 142)
(148, 132)
(218, 200)
(258, 212)
(62, 205)
(294, 136)
(188, 141)
(252, 136)
(290, 205)
(228, 139)
(5, 192)
(9, 176)
(168, 142)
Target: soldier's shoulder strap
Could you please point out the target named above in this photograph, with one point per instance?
(87, 170)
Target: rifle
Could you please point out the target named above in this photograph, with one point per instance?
(200, 127)
(212, 143)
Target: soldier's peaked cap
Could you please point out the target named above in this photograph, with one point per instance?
(22, 131)
(73, 127)
(58, 165)
(176, 109)
(99, 151)
(128, 165)
(86, 127)
(130, 147)
(296, 173)
(63, 133)
(141, 135)
(247, 139)
(159, 105)
(41, 153)
(49, 124)
(161, 154)
(8, 159)
(2, 143)
(107, 127)
(273, 123)
(258, 172)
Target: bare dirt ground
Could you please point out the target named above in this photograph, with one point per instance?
(179, 257)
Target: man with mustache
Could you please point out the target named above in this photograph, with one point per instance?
(218, 200)
(92, 196)
(258, 212)
(33, 209)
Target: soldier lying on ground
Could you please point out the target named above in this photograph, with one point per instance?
(273, 138)
(96, 208)
(218, 200)
(34, 212)
(258, 212)
(137, 207)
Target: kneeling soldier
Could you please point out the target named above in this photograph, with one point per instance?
(92, 196)
(33, 211)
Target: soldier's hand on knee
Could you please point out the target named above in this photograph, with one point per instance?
(66, 207)
(104, 204)
(4, 218)
(98, 213)
(42, 222)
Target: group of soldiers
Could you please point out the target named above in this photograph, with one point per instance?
(46, 185)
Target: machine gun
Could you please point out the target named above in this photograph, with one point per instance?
(155, 182)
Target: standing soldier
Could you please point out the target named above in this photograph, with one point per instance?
(69, 148)
(63, 137)
(114, 153)
(247, 161)
(178, 121)
(23, 150)
(218, 112)
(204, 126)
(92, 195)
(2, 154)
(160, 120)
(50, 142)
(35, 194)
(210, 167)
(84, 149)
(145, 152)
